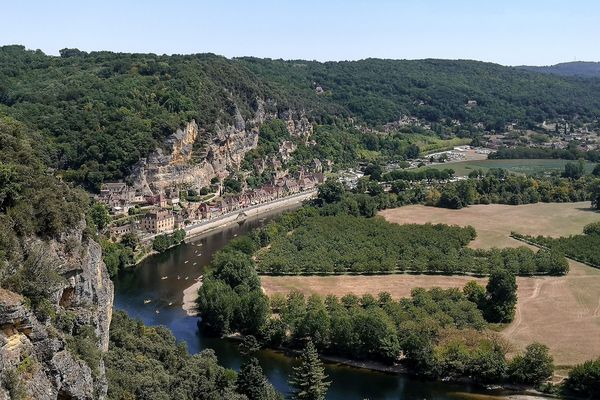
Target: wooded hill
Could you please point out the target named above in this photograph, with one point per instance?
(102, 111)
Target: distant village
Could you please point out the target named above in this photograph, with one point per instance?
(177, 208)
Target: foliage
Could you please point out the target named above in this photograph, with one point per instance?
(99, 215)
(502, 296)
(308, 379)
(584, 379)
(147, 363)
(116, 256)
(252, 382)
(84, 344)
(100, 112)
(532, 367)
(162, 243)
(584, 248)
(571, 153)
(592, 229)
(230, 299)
(348, 244)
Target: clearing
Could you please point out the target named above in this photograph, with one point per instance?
(495, 222)
(561, 312)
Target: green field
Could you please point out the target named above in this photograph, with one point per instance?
(527, 166)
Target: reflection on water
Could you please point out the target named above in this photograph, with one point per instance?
(185, 263)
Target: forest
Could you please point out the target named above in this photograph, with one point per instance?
(348, 244)
(148, 363)
(98, 113)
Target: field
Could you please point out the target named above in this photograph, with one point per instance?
(562, 312)
(494, 223)
(528, 167)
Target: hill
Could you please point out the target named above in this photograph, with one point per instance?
(100, 112)
(588, 69)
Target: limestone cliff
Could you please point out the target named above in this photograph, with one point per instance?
(37, 349)
(193, 156)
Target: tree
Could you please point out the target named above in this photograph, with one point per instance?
(308, 379)
(412, 151)
(574, 170)
(161, 243)
(331, 191)
(533, 367)
(584, 379)
(595, 193)
(217, 304)
(501, 296)
(592, 229)
(235, 268)
(252, 382)
(475, 293)
(596, 171)
(99, 215)
(130, 240)
(178, 236)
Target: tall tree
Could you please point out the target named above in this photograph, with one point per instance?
(534, 366)
(252, 382)
(308, 379)
(502, 296)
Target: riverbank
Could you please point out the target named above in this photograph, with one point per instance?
(503, 390)
(189, 299)
(253, 211)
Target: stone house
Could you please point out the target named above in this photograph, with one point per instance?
(158, 221)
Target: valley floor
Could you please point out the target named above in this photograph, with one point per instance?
(561, 312)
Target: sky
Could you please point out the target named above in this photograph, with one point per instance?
(509, 32)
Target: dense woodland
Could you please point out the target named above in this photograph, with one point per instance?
(348, 244)
(99, 112)
(147, 363)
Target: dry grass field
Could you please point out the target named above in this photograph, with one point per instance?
(562, 312)
(495, 222)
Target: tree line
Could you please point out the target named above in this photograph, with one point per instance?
(571, 153)
(584, 247)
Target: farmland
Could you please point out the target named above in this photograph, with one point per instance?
(548, 308)
(525, 166)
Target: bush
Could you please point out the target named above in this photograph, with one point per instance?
(584, 379)
(533, 367)
(592, 229)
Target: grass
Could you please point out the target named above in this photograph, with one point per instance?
(525, 167)
(431, 144)
(561, 312)
(495, 222)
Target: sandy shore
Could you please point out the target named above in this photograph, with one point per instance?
(189, 299)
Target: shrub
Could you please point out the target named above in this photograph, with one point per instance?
(584, 379)
(533, 367)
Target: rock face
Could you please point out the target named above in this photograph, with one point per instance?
(194, 156)
(38, 350)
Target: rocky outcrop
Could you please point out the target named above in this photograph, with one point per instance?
(37, 349)
(193, 156)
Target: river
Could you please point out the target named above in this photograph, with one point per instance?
(189, 261)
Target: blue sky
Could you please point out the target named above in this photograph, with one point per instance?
(507, 32)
